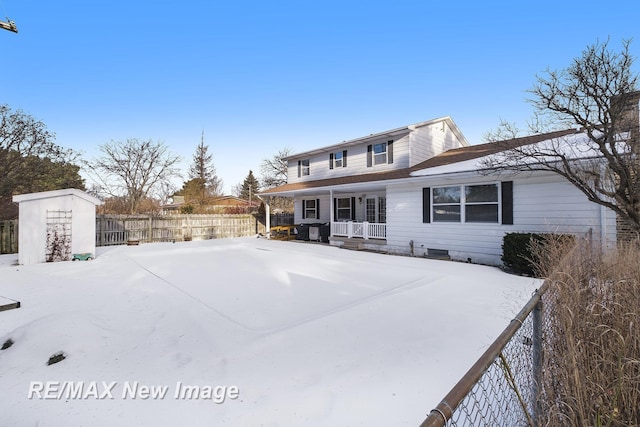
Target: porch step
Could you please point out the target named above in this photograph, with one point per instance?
(354, 246)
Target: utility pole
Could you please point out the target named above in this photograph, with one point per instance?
(9, 25)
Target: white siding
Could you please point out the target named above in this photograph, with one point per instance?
(356, 161)
(429, 141)
(325, 208)
(32, 236)
(543, 204)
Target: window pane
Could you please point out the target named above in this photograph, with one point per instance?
(371, 210)
(446, 213)
(344, 203)
(481, 213)
(481, 193)
(382, 210)
(446, 195)
(310, 204)
(344, 214)
(380, 148)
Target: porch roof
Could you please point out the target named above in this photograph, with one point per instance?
(457, 155)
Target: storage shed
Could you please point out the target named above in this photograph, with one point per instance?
(55, 225)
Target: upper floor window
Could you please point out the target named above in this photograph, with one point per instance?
(380, 154)
(303, 168)
(338, 159)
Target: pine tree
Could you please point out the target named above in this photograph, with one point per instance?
(250, 186)
(204, 170)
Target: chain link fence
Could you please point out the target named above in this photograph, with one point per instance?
(501, 388)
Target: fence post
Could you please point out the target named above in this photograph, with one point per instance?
(537, 361)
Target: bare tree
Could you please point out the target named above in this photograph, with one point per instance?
(274, 173)
(22, 136)
(597, 94)
(274, 170)
(134, 169)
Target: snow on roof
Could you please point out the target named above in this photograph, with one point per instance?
(57, 193)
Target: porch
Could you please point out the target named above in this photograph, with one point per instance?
(364, 230)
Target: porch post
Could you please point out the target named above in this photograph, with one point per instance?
(331, 218)
(267, 220)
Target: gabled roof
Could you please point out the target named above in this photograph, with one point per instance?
(453, 156)
(401, 131)
(57, 193)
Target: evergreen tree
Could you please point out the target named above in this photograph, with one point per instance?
(250, 186)
(204, 170)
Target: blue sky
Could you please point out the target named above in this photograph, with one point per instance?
(257, 76)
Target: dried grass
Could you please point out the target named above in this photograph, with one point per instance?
(591, 345)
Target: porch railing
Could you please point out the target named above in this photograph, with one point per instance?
(363, 230)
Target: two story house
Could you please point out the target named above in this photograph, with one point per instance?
(345, 185)
(420, 190)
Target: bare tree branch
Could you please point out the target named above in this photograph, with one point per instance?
(134, 169)
(597, 92)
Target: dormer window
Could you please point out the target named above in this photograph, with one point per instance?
(338, 159)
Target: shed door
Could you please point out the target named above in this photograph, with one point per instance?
(58, 236)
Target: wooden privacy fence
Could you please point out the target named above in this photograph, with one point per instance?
(119, 229)
(9, 236)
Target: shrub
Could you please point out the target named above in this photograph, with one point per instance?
(518, 252)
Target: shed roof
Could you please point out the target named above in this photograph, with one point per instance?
(57, 193)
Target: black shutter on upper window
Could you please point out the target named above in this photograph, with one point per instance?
(331, 161)
(507, 202)
(390, 151)
(344, 159)
(369, 156)
(426, 205)
(300, 169)
(317, 208)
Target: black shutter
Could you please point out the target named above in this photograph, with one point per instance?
(335, 209)
(344, 159)
(331, 161)
(300, 169)
(426, 205)
(390, 151)
(369, 156)
(303, 209)
(317, 208)
(507, 202)
(353, 209)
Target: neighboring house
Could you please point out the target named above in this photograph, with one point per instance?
(55, 225)
(418, 190)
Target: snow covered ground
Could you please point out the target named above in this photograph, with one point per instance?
(288, 333)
